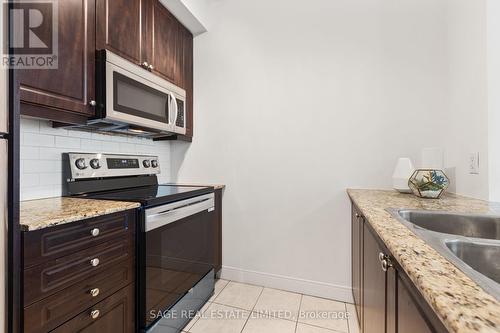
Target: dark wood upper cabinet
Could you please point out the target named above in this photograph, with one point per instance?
(70, 87)
(141, 31)
(187, 77)
(121, 28)
(164, 53)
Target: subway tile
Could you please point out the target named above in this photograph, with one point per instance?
(30, 125)
(52, 153)
(54, 178)
(127, 148)
(38, 140)
(79, 134)
(30, 180)
(93, 146)
(67, 142)
(110, 147)
(29, 153)
(119, 138)
(39, 166)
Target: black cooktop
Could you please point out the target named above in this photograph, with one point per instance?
(152, 195)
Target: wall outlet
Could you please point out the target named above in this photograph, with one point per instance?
(474, 163)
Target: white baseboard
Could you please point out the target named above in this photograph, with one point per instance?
(302, 286)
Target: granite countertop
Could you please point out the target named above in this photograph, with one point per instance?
(43, 213)
(461, 304)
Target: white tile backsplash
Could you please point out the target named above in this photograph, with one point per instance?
(42, 147)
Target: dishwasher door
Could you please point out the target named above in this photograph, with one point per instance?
(178, 252)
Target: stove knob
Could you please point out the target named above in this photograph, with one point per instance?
(80, 164)
(154, 163)
(94, 163)
(146, 163)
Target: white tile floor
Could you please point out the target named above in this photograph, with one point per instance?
(243, 308)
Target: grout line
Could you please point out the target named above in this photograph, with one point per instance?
(298, 313)
(251, 311)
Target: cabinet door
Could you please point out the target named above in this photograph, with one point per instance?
(356, 253)
(114, 314)
(187, 77)
(164, 53)
(409, 315)
(374, 285)
(120, 28)
(70, 87)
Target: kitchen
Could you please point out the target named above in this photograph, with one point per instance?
(203, 166)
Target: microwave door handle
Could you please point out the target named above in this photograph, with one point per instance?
(170, 108)
(176, 112)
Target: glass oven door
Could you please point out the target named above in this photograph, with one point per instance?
(179, 252)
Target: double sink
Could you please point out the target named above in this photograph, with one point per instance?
(471, 242)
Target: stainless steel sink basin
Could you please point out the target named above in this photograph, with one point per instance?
(482, 257)
(470, 242)
(477, 226)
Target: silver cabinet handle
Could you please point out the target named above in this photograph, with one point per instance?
(386, 264)
(93, 103)
(145, 64)
(94, 314)
(381, 256)
(94, 292)
(95, 232)
(94, 262)
(150, 67)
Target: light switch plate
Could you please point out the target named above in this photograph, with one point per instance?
(474, 163)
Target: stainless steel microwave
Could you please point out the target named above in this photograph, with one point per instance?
(132, 100)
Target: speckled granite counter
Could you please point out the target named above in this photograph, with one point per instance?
(457, 300)
(43, 213)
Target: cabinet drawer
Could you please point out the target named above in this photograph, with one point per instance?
(54, 275)
(114, 314)
(50, 243)
(54, 310)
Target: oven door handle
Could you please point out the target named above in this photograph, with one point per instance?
(156, 220)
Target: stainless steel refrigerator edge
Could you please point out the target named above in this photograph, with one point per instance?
(4, 114)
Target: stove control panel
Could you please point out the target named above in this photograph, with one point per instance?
(89, 165)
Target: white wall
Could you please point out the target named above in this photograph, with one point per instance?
(493, 40)
(296, 102)
(42, 147)
(466, 124)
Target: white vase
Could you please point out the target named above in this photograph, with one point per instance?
(403, 171)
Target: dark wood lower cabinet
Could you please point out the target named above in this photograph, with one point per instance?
(357, 264)
(385, 298)
(81, 276)
(218, 230)
(373, 288)
(410, 318)
(114, 315)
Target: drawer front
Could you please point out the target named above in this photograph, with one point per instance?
(50, 277)
(54, 310)
(50, 243)
(115, 314)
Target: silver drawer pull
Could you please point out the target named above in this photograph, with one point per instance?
(94, 292)
(94, 262)
(95, 232)
(95, 313)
